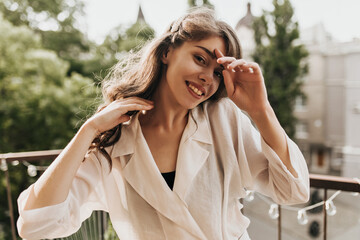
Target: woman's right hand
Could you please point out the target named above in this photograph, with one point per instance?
(115, 113)
(47, 191)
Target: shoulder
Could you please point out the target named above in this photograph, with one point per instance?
(224, 116)
(97, 160)
(223, 110)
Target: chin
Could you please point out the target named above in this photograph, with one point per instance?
(194, 105)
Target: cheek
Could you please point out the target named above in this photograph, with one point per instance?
(179, 69)
(214, 88)
(216, 85)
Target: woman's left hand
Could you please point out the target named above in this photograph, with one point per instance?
(244, 83)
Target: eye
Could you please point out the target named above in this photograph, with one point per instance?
(219, 75)
(200, 59)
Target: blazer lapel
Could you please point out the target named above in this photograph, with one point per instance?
(193, 152)
(142, 173)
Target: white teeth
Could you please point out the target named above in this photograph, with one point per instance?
(195, 90)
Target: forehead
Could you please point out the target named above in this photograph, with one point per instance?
(210, 43)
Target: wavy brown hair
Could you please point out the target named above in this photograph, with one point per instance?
(139, 73)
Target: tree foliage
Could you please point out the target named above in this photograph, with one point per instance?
(116, 45)
(40, 102)
(281, 59)
(41, 107)
(58, 23)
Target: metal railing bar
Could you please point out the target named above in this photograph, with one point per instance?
(11, 210)
(334, 183)
(31, 156)
(279, 223)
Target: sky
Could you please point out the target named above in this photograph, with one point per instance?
(341, 18)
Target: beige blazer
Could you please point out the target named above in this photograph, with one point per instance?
(220, 154)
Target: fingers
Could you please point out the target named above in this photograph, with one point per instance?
(240, 65)
(129, 106)
(229, 84)
(254, 66)
(234, 65)
(237, 65)
(218, 53)
(131, 109)
(123, 118)
(135, 100)
(117, 112)
(226, 60)
(222, 59)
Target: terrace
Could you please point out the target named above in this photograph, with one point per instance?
(336, 215)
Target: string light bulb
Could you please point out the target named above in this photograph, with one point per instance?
(249, 196)
(274, 211)
(32, 171)
(302, 217)
(15, 163)
(330, 208)
(3, 165)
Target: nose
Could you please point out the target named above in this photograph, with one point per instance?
(207, 77)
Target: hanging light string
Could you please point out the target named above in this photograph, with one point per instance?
(301, 212)
(32, 170)
(290, 208)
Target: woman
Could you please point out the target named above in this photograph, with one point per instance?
(124, 161)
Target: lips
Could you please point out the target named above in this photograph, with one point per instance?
(196, 89)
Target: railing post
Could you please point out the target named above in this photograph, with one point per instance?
(325, 214)
(5, 168)
(279, 223)
(102, 223)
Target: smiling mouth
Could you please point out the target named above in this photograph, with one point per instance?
(195, 89)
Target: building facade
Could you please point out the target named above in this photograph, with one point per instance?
(328, 128)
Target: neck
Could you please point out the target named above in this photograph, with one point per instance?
(167, 114)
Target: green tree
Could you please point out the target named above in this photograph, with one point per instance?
(116, 45)
(58, 13)
(282, 60)
(58, 24)
(40, 108)
(139, 33)
(34, 84)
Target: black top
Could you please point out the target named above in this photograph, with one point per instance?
(169, 178)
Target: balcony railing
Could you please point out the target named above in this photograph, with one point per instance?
(324, 182)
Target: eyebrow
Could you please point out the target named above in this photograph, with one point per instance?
(212, 55)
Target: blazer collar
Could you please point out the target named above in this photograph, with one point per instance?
(142, 173)
(197, 129)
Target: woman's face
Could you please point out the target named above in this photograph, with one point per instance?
(192, 74)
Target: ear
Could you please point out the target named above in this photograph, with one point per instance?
(165, 57)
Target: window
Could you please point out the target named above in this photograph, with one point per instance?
(302, 131)
(300, 103)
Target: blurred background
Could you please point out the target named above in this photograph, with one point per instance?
(54, 54)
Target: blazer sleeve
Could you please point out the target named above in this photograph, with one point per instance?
(265, 171)
(86, 194)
